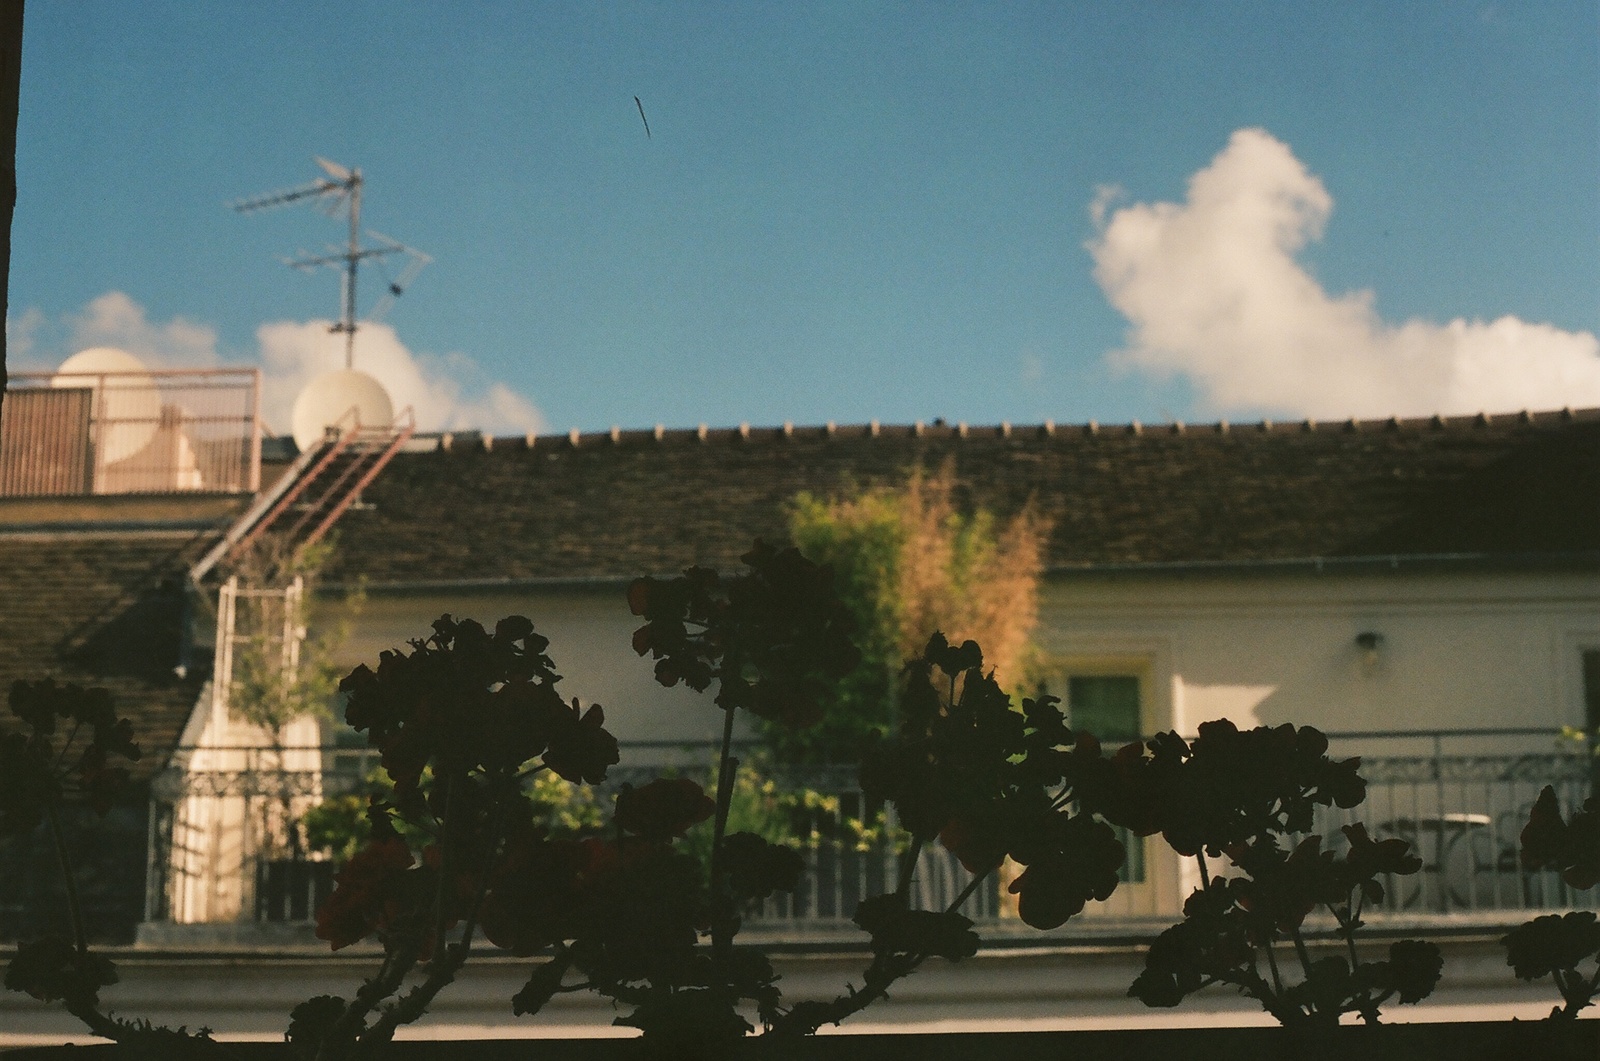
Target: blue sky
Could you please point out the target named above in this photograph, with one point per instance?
(844, 212)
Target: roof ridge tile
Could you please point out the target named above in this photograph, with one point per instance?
(451, 441)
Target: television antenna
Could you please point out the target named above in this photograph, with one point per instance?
(340, 192)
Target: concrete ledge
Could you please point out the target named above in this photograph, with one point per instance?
(228, 937)
(1082, 985)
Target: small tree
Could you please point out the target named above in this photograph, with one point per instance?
(279, 673)
(908, 563)
(266, 690)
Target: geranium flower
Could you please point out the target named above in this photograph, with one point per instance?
(364, 893)
(664, 808)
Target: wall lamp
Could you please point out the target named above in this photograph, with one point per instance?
(1369, 642)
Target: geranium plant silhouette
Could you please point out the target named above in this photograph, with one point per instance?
(68, 755)
(468, 717)
(463, 721)
(1243, 796)
(966, 770)
(1558, 944)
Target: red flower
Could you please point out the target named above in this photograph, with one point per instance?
(978, 840)
(365, 894)
(580, 746)
(665, 807)
(540, 891)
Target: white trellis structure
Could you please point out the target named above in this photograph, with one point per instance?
(277, 623)
(236, 791)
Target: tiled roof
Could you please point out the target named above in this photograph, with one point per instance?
(102, 607)
(619, 504)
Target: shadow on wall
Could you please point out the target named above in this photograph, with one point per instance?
(141, 640)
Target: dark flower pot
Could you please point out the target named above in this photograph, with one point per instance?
(1476, 1041)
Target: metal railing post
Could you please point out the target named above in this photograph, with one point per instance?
(151, 864)
(253, 481)
(1438, 815)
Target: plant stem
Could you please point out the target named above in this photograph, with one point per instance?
(1205, 875)
(726, 767)
(1369, 1007)
(807, 1017)
(441, 909)
(414, 1003)
(396, 964)
(83, 1008)
(74, 905)
(908, 866)
(66, 744)
(972, 886)
(1272, 964)
(1301, 953)
(885, 969)
(1365, 1004)
(442, 970)
(1583, 993)
(1349, 935)
(94, 1020)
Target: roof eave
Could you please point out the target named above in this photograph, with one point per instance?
(1587, 561)
(1577, 560)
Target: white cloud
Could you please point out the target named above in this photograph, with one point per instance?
(38, 343)
(1105, 197)
(449, 392)
(1212, 291)
(114, 319)
(1032, 368)
(22, 336)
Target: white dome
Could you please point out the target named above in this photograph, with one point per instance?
(127, 404)
(326, 399)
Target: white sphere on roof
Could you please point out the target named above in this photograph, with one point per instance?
(127, 402)
(100, 360)
(343, 399)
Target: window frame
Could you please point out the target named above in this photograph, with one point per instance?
(1150, 661)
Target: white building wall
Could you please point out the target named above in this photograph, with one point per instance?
(1456, 650)
(591, 641)
(230, 816)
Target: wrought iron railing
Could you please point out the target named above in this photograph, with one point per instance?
(1462, 798)
(224, 843)
(157, 432)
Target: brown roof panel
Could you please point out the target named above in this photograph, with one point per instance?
(102, 608)
(619, 504)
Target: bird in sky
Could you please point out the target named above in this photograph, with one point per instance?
(642, 118)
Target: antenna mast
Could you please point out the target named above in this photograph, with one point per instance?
(341, 190)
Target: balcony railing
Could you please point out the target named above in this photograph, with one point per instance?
(1462, 798)
(159, 432)
(224, 845)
